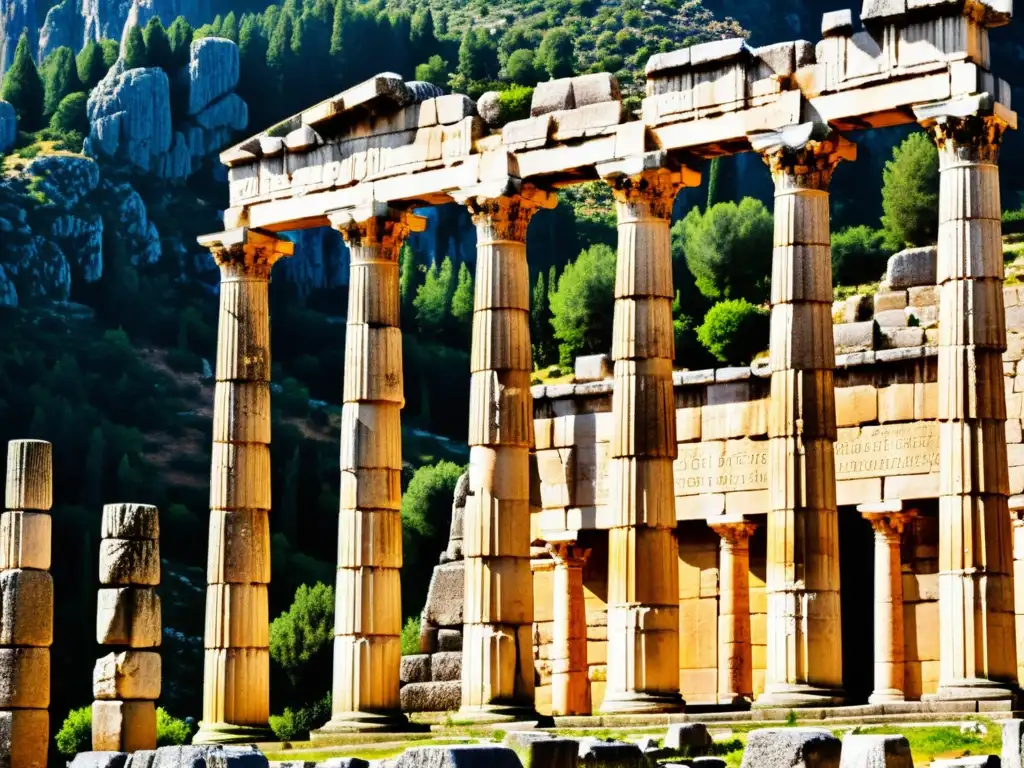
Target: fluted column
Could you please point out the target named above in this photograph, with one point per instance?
(977, 653)
(643, 556)
(888, 518)
(804, 660)
(570, 685)
(236, 678)
(497, 645)
(368, 598)
(735, 671)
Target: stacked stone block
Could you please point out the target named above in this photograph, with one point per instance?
(26, 605)
(126, 682)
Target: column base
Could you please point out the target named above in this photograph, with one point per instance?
(362, 722)
(735, 700)
(977, 689)
(486, 714)
(887, 696)
(228, 733)
(799, 696)
(638, 703)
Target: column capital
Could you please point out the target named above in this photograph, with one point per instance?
(651, 179)
(967, 129)
(804, 155)
(246, 251)
(567, 553)
(734, 530)
(506, 207)
(376, 224)
(888, 518)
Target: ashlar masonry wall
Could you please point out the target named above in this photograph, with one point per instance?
(887, 448)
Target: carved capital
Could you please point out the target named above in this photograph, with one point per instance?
(379, 227)
(970, 139)
(734, 533)
(888, 524)
(506, 217)
(803, 156)
(567, 554)
(246, 252)
(648, 194)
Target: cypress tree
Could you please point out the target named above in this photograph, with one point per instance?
(111, 51)
(422, 38)
(158, 46)
(135, 49)
(339, 32)
(462, 298)
(714, 169)
(229, 27)
(279, 50)
(61, 76)
(90, 65)
(179, 38)
(23, 88)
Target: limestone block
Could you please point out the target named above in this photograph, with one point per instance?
(368, 601)
(896, 338)
(24, 737)
(593, 367)
(692, 739)
(896, 403)
(791, 748)
(927, 317)
(923, 296)
(462, 756)
(445, 595)
(498, 591)
(29, 475)
(130, 521)
(891, 318)
(449, 640)
(240, 476)
(446, 666)
(236, 616)
(237, 681)
(130, 562)
(889, 300)
(609, 754)
(863, 751)
(837, 23)
(431, 697)
(453, 108)
(856, 405)
(550, 752)
(26, 608)
(123, 726)
(239, 547)
(854, 337)
(857, 309)
(24, 678)
(25, 540)
(1013, 743)
(127, 675)
(912, 267)
(552, 96)
(128, 616)
(595, 88)
(415, 668)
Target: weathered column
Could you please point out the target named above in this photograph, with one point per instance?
(804, 662)
(570, 686)
(643, 556)
(888, 518)
(735, 671)
(1017, 525)
(26, 595)
(977, 652)
(368, 600)
(236, 678)
(497, 645)
(126, 682)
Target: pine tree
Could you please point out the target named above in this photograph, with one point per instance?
(90, 65)
(408, 283)
(229, 27)
(434, 298)
(158, 46)
(61, 76)
(462, 298)
(252, 55)
(557, 54)
(422, 38)
(714, 169)
(279, 50)
(135, 49)
(179, 37)
(339, 35)
(478, 56)
(538, 305)
(23, 88)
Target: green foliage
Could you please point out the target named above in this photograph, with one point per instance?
(478, 57)
(90, 65)
(462, 299)
(301, 642)
(171, 731)
(728, 249)
(544, 349)
(556, 54)
(295, 725)
(410, 637)
(23, 88)
(520, 68)
(158, 46)
(135, 49)
(179, 38)
(514, 103)
(433, 299)
(228, 29)
(435, 71)
(582, 304)
(111, 51)
(75, 734)
(910, 193)
(859, 255)
(734, 331)
(70, 115)
(60, 75)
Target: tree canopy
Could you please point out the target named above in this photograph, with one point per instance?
(23, 88)
(582, 304)
(910, 193)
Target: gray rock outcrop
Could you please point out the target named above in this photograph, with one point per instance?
(16, 16)
(8, 126)
(321, 261)
(912, 267)
(213, 72)
(792, 748)
(64, 26)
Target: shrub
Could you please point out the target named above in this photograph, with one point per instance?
(859, 255)
(411, 637)
(70, 115)
(582, 305)
(170, 730)
(295, 725)
(75, 735)
(734, 331)
(302, 639)
(1013, 222)
(910, 193)
(514, 103)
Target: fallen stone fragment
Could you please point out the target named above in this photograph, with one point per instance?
(792, 748)
(867, 751)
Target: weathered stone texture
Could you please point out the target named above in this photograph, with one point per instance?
(29, 475)
(123, 726)
(792, 748)
(863, 751)
(127, 675)
(128, 616)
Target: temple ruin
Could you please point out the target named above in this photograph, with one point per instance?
(656, 537)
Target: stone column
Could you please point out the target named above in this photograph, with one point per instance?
(570, 685)
(126, 682)
(1017, 525)
(236, 678)
(368, 600)
(643, 556)
(977, 652)
(497, 644)
(26, 594)
(735, 672)
(804, 662)
(888, 518)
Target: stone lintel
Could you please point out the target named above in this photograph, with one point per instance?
(375, 209)
(505, 187)
(979, 104)
(559, 537)
(800, 137)
(637, 165)
(889, 507)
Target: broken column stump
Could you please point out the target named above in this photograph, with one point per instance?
(26, 605)
(126, 682)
